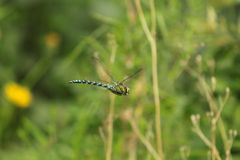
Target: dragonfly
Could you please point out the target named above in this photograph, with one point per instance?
(117, 88)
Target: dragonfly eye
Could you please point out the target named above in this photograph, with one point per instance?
(127, 91)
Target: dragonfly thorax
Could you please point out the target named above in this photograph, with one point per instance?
(119, 89)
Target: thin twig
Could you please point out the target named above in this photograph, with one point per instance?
(152, 41)
(212, 103)
(110, 128)
(145, 142)
(199, 132)
(111, 111)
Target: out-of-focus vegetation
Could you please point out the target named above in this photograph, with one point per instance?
(44, 44)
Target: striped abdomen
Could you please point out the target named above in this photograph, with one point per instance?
(118, 89)
(99, 84)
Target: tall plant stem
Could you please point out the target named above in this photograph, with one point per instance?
(151, 36)
(110, 128)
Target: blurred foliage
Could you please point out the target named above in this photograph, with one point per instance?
(44, 44)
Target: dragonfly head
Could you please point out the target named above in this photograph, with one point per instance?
(124, 90)
(127, 90)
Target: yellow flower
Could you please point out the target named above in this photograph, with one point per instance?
(18, 95)
(52, 40)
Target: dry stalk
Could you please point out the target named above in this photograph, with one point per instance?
(143, 139)
(196, 128)
(113, 47)
(110, 128)
(216, 121)
(152, 41)
(232, 135)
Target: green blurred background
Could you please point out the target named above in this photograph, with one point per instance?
(44, 44)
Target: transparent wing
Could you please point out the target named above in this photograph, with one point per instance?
(104, 68)
(132, 75)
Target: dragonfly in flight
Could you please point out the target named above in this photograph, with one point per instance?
(118, 88)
